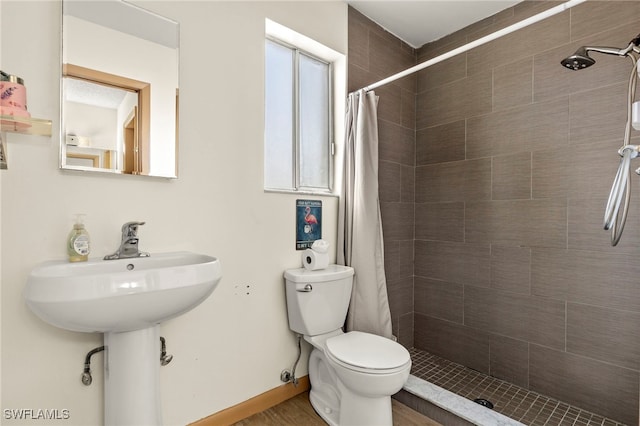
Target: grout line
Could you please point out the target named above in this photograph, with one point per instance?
(531, 406)
(564, 416)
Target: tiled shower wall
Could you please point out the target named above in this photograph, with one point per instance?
(373, 55)
(514, 157)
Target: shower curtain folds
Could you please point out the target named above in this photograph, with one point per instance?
(360, 239)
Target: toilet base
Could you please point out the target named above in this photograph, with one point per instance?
(358, 410)
(354, 410)
(338, 405)
(324, 389)
(325, 407)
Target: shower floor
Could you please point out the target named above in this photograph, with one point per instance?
(527, 407)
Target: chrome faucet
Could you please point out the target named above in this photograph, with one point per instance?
(129, 244)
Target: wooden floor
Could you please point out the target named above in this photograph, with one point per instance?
(298, 411)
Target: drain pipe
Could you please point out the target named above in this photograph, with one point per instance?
(86, 374)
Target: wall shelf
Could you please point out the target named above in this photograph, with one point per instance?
(25, 125)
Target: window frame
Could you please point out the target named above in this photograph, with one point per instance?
(296, 155)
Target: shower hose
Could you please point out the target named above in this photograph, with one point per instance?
(615, 215)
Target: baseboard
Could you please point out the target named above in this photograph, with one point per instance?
(255, 405)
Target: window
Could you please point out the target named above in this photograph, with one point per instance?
(298, 120)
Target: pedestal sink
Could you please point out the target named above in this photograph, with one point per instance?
(126, 299)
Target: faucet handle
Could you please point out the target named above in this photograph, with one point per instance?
(130, 229)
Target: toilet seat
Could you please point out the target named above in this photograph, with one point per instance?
(367, 353)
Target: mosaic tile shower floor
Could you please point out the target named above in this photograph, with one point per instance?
(520, 404)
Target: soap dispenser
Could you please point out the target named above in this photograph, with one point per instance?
(78, 244)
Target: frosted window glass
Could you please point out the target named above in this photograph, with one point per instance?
(314, 123)
(279, 117)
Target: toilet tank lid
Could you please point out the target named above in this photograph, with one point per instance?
(330, 273)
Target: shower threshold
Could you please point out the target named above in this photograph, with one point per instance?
(446, 392)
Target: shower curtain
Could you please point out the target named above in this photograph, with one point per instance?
(360, 242)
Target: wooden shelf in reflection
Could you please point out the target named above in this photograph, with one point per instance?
(25, 125)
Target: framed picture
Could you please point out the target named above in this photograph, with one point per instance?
(308, 223)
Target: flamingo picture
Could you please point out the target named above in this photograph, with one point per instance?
(309, 219)
(308, 223)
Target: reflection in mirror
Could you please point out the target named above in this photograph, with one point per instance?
(109, 113)
(119, 89)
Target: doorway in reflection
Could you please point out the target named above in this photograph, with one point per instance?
(107, 116)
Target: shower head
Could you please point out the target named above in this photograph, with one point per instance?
(581, 58)
(578, 60)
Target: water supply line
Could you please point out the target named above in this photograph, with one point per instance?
(294, 379)
(287, 376)
(86, 374)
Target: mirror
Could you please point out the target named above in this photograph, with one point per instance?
(119, 89)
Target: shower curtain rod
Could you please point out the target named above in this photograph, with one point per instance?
(504, 31)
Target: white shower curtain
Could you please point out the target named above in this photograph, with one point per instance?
(360, 242)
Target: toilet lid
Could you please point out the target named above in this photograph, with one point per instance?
(367, 351)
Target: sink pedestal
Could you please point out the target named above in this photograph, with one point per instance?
(132, 377)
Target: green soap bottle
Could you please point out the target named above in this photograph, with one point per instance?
(78, 243)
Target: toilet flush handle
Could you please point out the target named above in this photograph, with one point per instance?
(306, 289)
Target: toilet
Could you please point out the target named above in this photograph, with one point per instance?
(354, 374)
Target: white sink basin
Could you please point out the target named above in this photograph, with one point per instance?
(120, 295)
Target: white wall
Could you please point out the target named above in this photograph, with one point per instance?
(99, 124)
(0, 246)
(234, 345)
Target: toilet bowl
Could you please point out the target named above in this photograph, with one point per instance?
(354, 374)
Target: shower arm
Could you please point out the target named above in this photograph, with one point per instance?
(632, 47)
(609, 50)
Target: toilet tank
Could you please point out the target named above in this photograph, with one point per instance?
(317, 301)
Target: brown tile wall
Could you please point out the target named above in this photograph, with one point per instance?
(515, 156)
(373, 55)
(495, 166)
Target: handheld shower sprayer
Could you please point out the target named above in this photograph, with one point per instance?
(615, 217)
